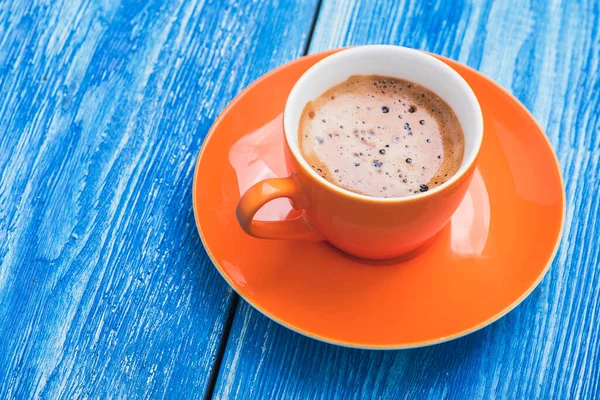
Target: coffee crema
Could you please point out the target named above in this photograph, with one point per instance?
(381, 137)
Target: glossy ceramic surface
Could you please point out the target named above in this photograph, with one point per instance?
(491, 255)
(364, 226)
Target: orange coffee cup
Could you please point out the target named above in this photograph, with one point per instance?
(365, 226)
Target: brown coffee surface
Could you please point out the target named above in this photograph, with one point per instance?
(381, 137)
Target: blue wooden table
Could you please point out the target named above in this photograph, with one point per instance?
(105, 289)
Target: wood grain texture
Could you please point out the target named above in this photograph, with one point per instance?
(105, 290)
(547, 53)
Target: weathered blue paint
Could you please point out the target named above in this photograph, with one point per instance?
(548, 54)
(105, 290)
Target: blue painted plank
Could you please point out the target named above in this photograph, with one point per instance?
(548, 54)
(105, 290)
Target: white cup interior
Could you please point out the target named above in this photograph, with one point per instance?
(392, 61)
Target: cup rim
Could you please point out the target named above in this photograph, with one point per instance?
(465, 166)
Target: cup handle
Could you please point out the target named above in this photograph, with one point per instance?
(263, 192)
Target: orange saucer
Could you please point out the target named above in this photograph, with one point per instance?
(492, 254)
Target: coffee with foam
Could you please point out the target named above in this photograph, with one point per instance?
(381, 137)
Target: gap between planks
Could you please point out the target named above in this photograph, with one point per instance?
(214, 375)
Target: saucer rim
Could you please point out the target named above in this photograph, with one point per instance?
(366, 346)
